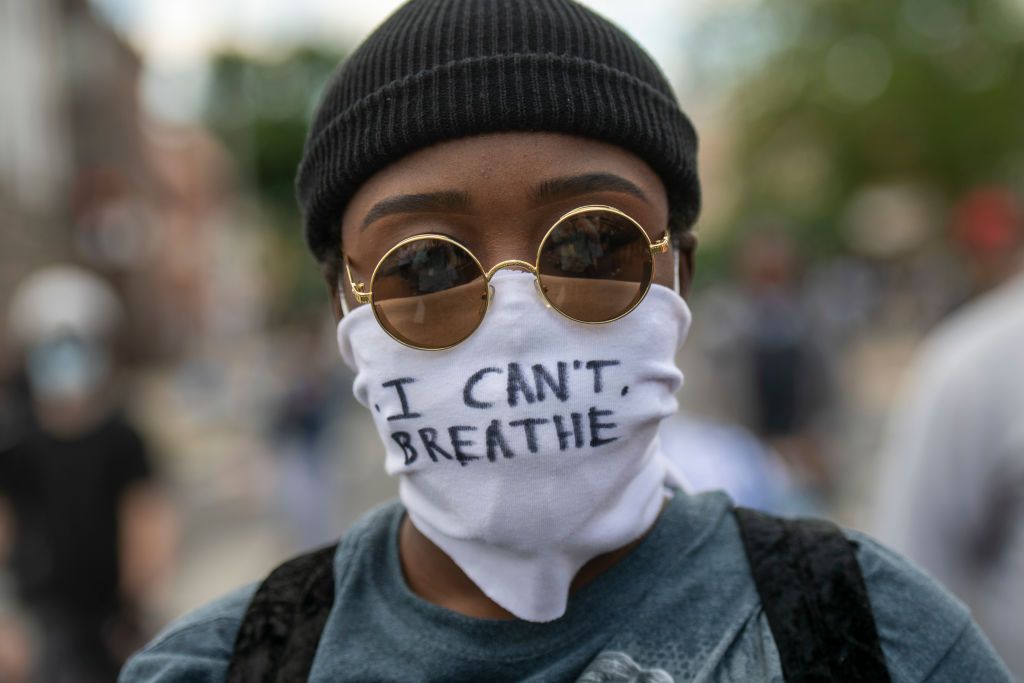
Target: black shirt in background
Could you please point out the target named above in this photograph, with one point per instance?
(65, 493)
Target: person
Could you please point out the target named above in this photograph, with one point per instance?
(501, 194)
(760, 358)
(952, 490)
(86, 522)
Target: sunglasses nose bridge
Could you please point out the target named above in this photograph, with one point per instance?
(514, 264)
(517, 264)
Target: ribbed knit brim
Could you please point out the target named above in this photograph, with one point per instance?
(443, 69)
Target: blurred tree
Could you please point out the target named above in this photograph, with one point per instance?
(837, 96)
(261, 108)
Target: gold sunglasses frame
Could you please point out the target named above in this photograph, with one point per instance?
(660, 246)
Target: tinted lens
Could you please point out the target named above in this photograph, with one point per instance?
(429, 293)
(595, 266)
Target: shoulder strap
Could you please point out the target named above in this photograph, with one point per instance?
(813, 594)
(278, 637)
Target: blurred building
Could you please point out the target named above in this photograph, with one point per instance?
(35, 161)
(86, 178)
(70, 113)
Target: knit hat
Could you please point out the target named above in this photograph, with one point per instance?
(437, 70)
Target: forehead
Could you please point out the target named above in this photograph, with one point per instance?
(501, 172)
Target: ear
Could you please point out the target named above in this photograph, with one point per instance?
(335, 295)
(331, 274)
(686, 243)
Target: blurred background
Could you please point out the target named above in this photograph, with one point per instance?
(173, 410)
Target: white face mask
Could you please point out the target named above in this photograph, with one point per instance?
(530, 448)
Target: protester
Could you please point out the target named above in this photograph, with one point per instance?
(300, 434)
(952, 493)
(501, 194)
(759, 360)
(87, 523)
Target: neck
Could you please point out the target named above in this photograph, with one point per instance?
(434, 576)
(69, 417)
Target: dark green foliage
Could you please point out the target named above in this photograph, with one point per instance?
(838, 95)
(260, 108)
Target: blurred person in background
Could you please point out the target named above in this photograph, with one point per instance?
(952, 491)
(987, 230)
(86, 526)
(540, 532)
(301, 422)
(763, 364)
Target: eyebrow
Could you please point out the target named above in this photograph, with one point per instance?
(426, 202)
(570, 186)
(549, 190)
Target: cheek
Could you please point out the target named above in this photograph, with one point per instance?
(664, 269)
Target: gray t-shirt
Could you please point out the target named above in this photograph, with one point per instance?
(681, 606)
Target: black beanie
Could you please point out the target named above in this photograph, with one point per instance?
(437, 70)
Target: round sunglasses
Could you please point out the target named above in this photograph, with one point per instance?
(429, 292)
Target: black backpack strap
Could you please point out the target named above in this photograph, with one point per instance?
(815, 599)
(278, 637)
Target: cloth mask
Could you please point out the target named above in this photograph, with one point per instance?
(67, 366)
(531, 447)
